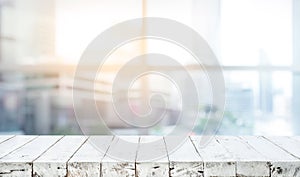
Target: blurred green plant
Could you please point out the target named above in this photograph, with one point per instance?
(230, 124)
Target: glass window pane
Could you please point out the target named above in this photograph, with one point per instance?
(256, 32)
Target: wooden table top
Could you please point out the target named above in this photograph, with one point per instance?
(76, 156)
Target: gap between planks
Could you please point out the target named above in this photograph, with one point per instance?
(229, 156)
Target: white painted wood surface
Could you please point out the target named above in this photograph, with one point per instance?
(282, 163)
(5, 138)
(152, 157)
(184, 160)
(19, 162)
(248, 161)
(223, 156)
(87, 160)
(54, 161)
(217, 160)
(289, 144)
(13, 143)
(120, 157)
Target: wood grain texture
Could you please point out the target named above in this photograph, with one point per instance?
(152, 157)
(282, 163)
(147, 156)
(120, 157)
(19, 162)
(217, 160)
(184, 160)
(14, 143)
(54, 161)
(288, 144)
(249, 162)
(4, 138)
(87, 160)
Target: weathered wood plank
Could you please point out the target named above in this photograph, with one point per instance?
(4, 138)
(248, 161)
(147, 163)
(223, 156)
(282, 163)
(290, 145)
(54, 161)
(86, 161)
(123, 162)
(217, 160)
(14, 143)
(19, 162)
(184, 160)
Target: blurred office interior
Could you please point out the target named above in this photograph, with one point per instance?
(256, 42)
